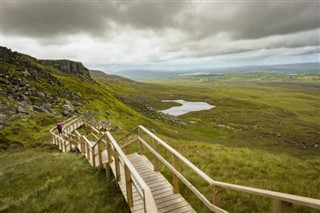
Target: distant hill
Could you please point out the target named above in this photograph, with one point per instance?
(284, 69)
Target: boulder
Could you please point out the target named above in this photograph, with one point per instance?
(41, 95)
(65, 113)
(15, 146)
(22, 110)
(4, 119)
(70, 106)
(37, 108)
(79, 94)
(47, 107)
(25, 98)
(22, 84)
(4, 81)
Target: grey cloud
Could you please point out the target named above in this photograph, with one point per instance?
(248, 20)
(242, 20)
(47, 19)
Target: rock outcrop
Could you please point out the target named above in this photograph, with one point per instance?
(67, 66)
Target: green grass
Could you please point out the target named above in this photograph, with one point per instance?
(46, 180)
(261, 133)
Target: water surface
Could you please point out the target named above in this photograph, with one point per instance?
(186, 106)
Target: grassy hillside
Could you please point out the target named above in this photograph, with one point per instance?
(262, 134)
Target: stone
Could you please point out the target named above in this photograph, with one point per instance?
(22, 84)
(4, 119)
(41, 95)
(47, 107)
(26, 73)
(37, 108)
(79, 94)
(65, 113)
(69, 104)
(25, 98)
(4, 81)
(15, 146)
(66, 108)
(22, 110)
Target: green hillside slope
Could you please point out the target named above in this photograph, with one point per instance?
(252, 137)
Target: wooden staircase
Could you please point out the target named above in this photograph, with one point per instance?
(134, 162)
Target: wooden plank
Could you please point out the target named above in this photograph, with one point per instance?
(173, 207)
(170, 202)
(181, 209)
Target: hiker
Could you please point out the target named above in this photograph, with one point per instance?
(59, 127)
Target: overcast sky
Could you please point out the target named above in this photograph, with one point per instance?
(164, 35)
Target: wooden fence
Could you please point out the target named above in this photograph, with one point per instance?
(282, 202)
(117, 159)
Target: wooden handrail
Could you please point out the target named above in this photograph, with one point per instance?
(127, 134)
(294, 199)
(178, 155)
(133, 177)
(183, 179)
(150, 205)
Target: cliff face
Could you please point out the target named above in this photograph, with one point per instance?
(67, 66)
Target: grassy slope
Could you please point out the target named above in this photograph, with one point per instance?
(46, 180)
(245, 156)
(267, 122)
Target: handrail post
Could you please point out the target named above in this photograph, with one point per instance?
(155, 159)
(280, 206)
(100, 155)
(108, 167)
(65, 145)
(88, 150)
(82, 148)
(117, 165)
(93, 157)
(217, 196)
(140, 143)
(128, 185)
(175, 179)
(70, 144)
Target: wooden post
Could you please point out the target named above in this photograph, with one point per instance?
(117, 165)
(108, 168)
(175, 179)
(81, 145)
(93, 157)
(217, 196)
(59, 143)
(100, 155)
(128, 185)
(70, 139)
(88, 150)
(140, 144)
(155, 159)
(280, 206)
(65, 145)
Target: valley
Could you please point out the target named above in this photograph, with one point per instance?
(263, 132)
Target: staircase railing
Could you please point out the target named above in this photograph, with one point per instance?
(282, 202)
(132, 177)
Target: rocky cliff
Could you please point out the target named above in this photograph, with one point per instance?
(67, 66)
(27, 88)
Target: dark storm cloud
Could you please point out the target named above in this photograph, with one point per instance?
(242, 20)
(47, 19)
(43, 19)
(249, 20)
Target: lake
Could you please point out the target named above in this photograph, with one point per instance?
(186, 106)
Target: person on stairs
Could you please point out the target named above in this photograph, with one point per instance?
(59, 127)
